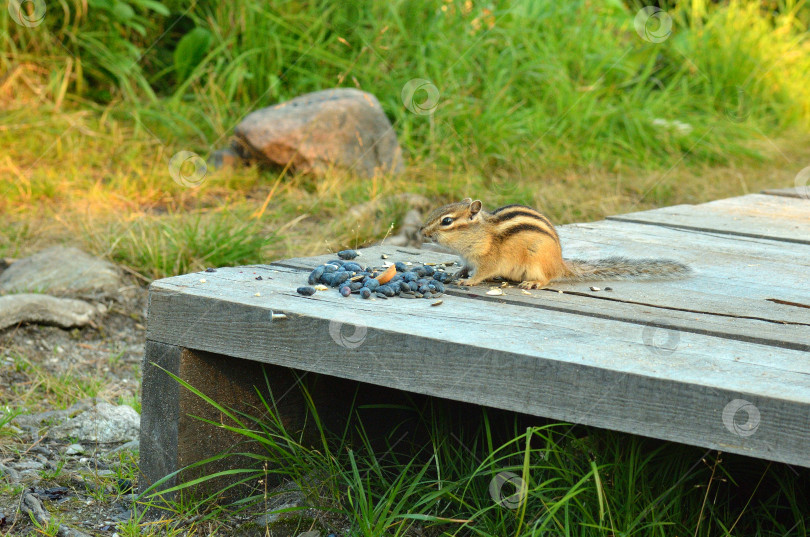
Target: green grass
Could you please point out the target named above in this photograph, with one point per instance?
(523, 85)
(435, 473)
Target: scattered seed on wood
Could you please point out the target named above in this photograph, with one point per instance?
(495, 292)
(437, 303)
(202, 280)
(383, 256)
(386, 276)
(595, 289)
(321, 287)
(348, 254)
(258, 294)
(525, 292)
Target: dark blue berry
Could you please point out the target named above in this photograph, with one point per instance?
(345, 290)
(315, 275)
(348, 254)
(365, 292)
(372, 284)
(306, 291)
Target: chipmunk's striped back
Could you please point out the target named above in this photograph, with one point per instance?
(513, 219)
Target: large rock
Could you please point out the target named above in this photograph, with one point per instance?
(45, 309)
(102, 423)
(342, 128)
(62, 271)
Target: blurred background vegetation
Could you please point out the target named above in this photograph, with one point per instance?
(559, 104)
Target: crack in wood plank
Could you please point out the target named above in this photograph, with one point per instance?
(687, 310)
(710, 230)
(787, 303)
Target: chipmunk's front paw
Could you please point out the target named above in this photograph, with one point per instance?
(532, 284)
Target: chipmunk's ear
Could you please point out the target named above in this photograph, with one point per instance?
(475, 207)
(466, 201)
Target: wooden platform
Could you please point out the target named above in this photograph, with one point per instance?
(720, 359)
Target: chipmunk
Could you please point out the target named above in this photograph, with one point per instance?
(518, 243)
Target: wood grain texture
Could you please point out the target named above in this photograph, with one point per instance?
(160, 414)
(755, 215)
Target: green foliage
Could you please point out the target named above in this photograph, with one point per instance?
(522, 85)
(454, 473)
(190, 51)
(157, 247)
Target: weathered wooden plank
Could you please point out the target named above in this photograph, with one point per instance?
(755, 215)
(724, 297)
(801, 192)
(160, 415)
(547, 363)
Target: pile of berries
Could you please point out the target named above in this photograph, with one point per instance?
(398, 279)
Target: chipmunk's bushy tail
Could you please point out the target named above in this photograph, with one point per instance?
(622, 268)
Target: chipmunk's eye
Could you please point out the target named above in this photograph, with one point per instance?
(446, 221)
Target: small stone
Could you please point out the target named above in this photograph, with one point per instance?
(608, 289)
(101, 423)
(259, 278)
(74, 449)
